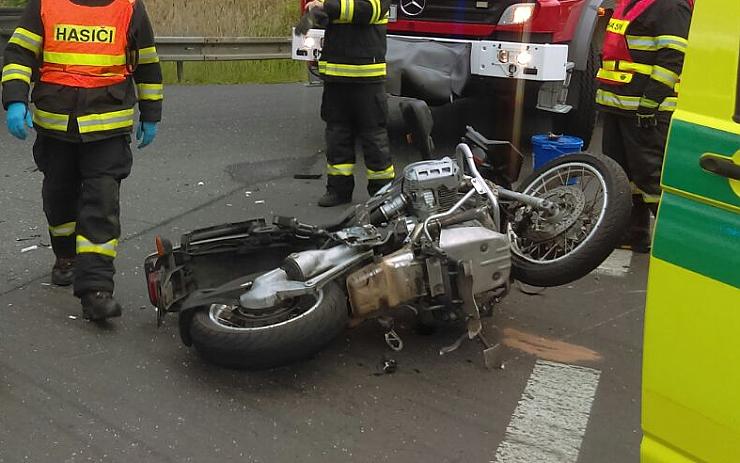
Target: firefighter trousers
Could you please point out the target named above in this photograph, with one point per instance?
(356, 113)
(81, 201)
(638, 150)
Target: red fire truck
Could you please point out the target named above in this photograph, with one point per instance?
(539, 57)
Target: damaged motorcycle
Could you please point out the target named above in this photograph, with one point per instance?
(445, 240)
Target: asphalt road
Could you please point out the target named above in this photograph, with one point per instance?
(71, 391)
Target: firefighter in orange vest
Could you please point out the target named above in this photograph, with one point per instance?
(641, 66)
(83, 57)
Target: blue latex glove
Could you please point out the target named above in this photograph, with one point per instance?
(146, 133)
(19, 116)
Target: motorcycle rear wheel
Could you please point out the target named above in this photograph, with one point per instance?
(593, 195)
(235, 337)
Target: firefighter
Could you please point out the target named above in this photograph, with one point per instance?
(83, 57)
(642, 58)
(354, 104)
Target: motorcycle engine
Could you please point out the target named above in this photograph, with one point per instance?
(431, 186)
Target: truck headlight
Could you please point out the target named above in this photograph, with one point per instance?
(309, 42)
(518, 13)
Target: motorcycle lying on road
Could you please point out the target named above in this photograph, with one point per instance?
(441, 241)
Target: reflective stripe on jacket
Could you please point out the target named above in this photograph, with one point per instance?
(355, 41)
(643, 55)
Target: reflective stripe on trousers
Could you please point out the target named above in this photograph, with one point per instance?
(345, 170)
(65, 229)
(108, 248)
(385, 174)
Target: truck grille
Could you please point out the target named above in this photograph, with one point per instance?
(458, 11)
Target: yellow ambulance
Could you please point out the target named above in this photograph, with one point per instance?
(691, 365)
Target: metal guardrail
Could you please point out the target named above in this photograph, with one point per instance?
(181, 49)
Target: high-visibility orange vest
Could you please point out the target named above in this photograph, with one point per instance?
(85, 46)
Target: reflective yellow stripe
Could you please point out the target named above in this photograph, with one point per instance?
(385, 174)
(50, 121)
(16, 72)
(672, 41)
(352, 70)
(384, 20)
(615, 76)
(86, 246)
(669, 104)
(664, 76)
(340, 169)
(148, 55)
(65, 229)
(152, 92)
(627, 66)
(346, 11)
(676, 87)
(629, 103)
(648, 103)
(646, 197)
(643, 43)
(106, 121)
(82, 59)
(617, 26)
(376, 11)
(27, 39)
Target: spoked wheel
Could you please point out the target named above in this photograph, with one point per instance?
(593, 202)
(233, 336)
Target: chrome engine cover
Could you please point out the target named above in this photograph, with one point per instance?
(488, 251)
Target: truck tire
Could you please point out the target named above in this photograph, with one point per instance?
(581, 120)
(271, 345)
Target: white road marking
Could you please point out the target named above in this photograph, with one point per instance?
(617, 264)
(551, 418)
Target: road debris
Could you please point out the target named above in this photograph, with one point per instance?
(261, 201)
(29, 248)
(307, 176)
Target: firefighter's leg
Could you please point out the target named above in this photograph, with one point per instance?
(371, 120)
(340, 147)
(644, 152)
(57, 160)
(103, 165)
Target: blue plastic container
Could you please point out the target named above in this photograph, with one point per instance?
(545, 148)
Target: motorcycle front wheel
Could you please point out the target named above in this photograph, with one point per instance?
(236, 337)
(594, 205)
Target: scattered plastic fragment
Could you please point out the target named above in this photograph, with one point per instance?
(30, 248)
(261, 201)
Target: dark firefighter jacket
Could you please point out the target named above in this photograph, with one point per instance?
(355, 41)
(76, 113)
(657, 42)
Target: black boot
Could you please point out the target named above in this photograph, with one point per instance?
(63, 272)
(99, 305)
(637, 237)
(332, 198)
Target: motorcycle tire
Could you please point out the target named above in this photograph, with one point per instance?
(272, 345)
(599, 242)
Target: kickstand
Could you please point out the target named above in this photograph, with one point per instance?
(491, 352)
